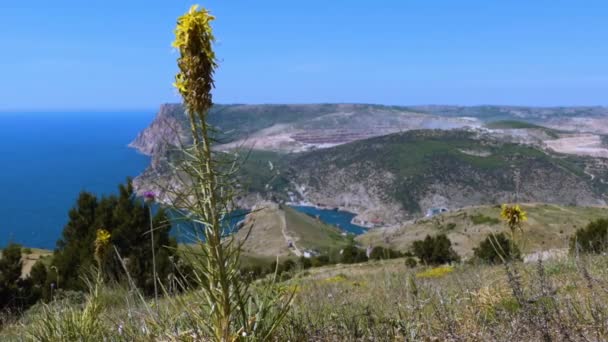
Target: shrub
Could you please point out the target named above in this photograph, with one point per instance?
(380, 253)
(305, 263)
(15, 292)
(319, 261)
(352, 254)
(435, 250)
(591, 239)
(495, 248)
(410, 262)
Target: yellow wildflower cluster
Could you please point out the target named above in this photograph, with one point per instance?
(436, 272)
(513, 215)
(102, 240)
(336, 279)
(193, 36)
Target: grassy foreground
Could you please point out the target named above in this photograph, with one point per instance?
(382, 301)
(549, 227)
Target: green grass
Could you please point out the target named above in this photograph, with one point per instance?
(312, 233)
(482, 219)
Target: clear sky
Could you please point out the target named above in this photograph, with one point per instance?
(116, 54)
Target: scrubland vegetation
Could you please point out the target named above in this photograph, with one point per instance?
(116, 274)
(378, 300)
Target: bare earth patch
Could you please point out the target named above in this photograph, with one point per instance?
(583, 144)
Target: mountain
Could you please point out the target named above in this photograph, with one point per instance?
(389, 164)
(400, 176)
(291, 128)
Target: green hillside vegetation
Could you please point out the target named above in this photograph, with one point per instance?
(514, 124)
(418, 159)
(256, 175)
(548, 227)
(312, 233)
(267, 240)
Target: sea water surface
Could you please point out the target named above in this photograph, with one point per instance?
(338, 218)
(48, 158)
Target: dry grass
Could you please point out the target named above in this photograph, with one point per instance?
(548, 227)
(563, 300)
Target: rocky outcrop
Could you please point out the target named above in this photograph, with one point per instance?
(167, 129)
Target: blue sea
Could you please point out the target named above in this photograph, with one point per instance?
(338, 218)
(48, 158)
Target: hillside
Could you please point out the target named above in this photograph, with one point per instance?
(548, 227)
(397, 177)
(400, 176)
(375, 161)
(291, 128)
(372, 301)
(280, 231)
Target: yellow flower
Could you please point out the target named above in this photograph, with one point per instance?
(513, 215)
(436, 272)
(102, 241)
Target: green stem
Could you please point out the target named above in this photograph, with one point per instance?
(153, 258)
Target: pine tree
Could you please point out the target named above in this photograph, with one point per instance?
(10, 273)
(127, 220)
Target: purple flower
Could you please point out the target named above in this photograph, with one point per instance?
(149, 196)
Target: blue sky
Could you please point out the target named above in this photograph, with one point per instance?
(114, 54)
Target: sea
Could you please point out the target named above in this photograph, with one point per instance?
(48, 158)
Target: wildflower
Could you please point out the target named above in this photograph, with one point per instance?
(514, 216)
(102, 241)
(436, 272)
(149, 196)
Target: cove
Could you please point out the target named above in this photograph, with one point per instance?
(338, 218)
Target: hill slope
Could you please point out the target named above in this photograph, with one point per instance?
(399, 176)
(548, 227)
(280, 231)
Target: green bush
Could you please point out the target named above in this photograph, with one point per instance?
(591, 239)
(435, 250)
(381, 253)
(495, 248)
(320, 260)
(352, 254)
(410, 262)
